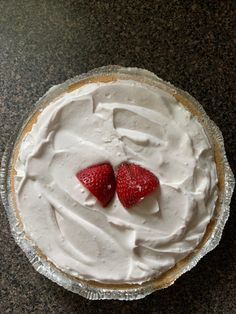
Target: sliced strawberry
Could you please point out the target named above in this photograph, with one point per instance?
(134, 183)
(100, 181)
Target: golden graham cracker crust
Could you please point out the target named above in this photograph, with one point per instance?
(171, 275)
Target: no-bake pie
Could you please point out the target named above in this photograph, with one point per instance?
(113, 122)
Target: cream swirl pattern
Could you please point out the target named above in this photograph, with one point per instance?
(118, 121)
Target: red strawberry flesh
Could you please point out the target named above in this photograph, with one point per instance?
(134, 183)
(100, 181)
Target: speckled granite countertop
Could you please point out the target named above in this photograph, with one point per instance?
(43, 43)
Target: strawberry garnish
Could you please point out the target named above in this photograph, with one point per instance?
(134, 183)
(100, 181)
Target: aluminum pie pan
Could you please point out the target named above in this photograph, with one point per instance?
(83, 288)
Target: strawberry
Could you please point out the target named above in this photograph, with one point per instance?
(100, 181)
(133, 183)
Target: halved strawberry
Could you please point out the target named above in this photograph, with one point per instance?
(100, 181)
(134, 183)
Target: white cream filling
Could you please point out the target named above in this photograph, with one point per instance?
(115, 122)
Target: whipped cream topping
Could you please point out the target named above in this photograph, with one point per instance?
(118, 121)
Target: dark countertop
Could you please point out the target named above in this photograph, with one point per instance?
(43, 43)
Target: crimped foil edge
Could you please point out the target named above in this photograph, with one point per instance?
(72, 284)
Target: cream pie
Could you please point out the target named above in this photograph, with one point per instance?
(117, 120)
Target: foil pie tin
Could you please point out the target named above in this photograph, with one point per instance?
(83, 288)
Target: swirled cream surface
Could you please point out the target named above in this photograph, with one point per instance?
(118, 121)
